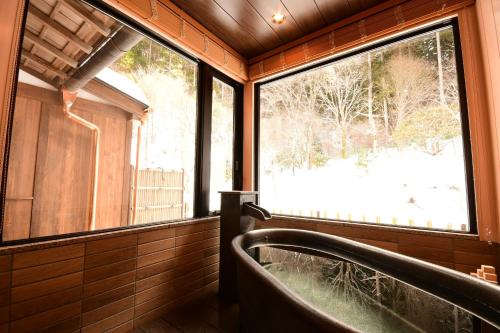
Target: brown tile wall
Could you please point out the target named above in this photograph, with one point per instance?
(115, 281)
(461, 252)
(108, 284)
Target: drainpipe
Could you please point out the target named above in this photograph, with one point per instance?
(110, 51)
(68, 100)
(136, 171)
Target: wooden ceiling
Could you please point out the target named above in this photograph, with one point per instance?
(247, 25)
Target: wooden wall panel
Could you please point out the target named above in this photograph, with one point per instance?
(113, 305)
(113, 126)
(461, 252)
(50, 162)
(63, 174)
(23, 151)
(173, 266)
(96, 284)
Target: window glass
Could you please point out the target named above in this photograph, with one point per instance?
(221, 161)
(122, 152)
(376, 137)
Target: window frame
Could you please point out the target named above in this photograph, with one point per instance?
(464, 114)
(205, 74)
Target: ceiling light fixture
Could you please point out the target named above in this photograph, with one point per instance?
(278, 18)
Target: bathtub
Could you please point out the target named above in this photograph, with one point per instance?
(269, 305)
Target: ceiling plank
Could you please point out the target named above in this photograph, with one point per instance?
(215, 19)
(251, 21)
(334, 10)
(306, 14)
(50, 48)
(85, 15)
(288, 30)
(38, 15)
(44, 64)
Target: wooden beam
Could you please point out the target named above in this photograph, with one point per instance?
(44, 19)
(39, 76)
(44, 64)
(50, 48)
(118, 98)
(87, 16)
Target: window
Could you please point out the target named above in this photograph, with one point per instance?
(379, 136)
(221, 139)
(121, 150)
(221, 159)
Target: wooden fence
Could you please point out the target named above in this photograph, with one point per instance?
(160, 195)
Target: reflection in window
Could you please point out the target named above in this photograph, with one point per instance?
(221, 161)
(375, 137)
(122, 153)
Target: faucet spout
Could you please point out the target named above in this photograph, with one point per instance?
(256, 211)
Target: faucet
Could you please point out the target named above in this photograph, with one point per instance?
(255, 211)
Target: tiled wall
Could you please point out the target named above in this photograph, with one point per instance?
(111, 282)
(464, 253)
(108, 284)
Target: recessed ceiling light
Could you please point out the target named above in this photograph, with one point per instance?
(278, 18)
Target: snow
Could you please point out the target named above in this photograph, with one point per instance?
(396, 186)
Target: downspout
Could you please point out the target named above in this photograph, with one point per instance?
(68, 100)
(136, 171)
(109, 51)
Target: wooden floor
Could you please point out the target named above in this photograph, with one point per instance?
(205, 316)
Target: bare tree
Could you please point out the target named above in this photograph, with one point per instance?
(342, 96)
(410, 80)
(293, 135)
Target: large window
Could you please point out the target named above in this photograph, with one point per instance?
(121, 148)
(378, 137)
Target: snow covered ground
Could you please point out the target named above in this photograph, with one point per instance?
(407, 187)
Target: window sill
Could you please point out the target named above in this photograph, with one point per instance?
(368, 226)
(60, 240)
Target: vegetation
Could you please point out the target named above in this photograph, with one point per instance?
(401, 95)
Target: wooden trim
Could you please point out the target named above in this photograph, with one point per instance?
(326, 42)
(483, 82)
(183, 31)
(119, 99)
(31, 245)
(12, 19)
(248, 136)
